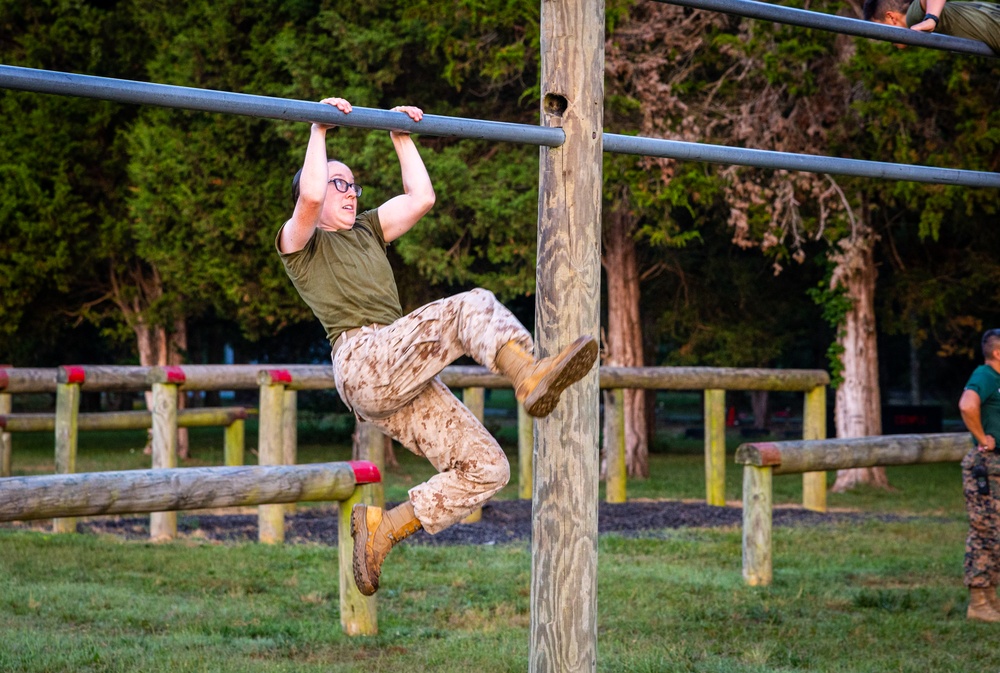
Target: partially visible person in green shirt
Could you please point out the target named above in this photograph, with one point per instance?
(980, 408)
(978, 21)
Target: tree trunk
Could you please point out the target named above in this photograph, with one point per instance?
(758, 402)
(624, 347)
(858, 403)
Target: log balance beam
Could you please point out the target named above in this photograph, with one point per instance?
(142, 491)
(762, 460)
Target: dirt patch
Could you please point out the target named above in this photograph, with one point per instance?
(503, 521)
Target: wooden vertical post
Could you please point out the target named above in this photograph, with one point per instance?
(563, 631)
(615, 486)
(6, 445)
(814, 427)
(369, 444)
(525, 452)
(357, 611)
(69, 380)
(271, 518)
(163, 525)
(757, 563)
(715, 447)
(234, 443)
(290, 434)
(475, 400)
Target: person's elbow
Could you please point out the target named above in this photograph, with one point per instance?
(968, 405)
(425, 200)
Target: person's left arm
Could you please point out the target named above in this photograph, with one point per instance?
(400, 213)
(932, 15)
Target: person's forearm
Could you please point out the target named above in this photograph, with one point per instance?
(416, 181)
(312, 183)
(974, 423)
(932, 6)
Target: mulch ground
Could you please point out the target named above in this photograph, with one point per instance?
(503, 521)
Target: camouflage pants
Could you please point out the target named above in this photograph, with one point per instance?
(389, 377)
(982, 547)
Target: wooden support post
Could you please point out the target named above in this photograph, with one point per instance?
(6, 446)
(163, 525)
(357, 611)
(757, 519)
(615, 485)
(563, 630)
(290, 434)
(814, 427)
(271, 518)
(369, 444)
(234, 443)
(525, 452)
(66, 434)
(475, 400)
(715, 447)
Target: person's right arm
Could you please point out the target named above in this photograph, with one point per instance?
(932, 7)
(297, 231)
(970, 407)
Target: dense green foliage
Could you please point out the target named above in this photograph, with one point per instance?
(113, 214)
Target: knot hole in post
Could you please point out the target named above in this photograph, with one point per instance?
(555, 104)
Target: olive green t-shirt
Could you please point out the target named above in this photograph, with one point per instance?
(973, 20)
(344, 276)
(985, 382)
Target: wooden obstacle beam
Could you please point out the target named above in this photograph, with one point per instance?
(140, 491)
(125, 420)
(762, 460)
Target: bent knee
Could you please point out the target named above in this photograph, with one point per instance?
(489, 469)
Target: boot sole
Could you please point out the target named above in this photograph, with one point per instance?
(574, 364)
(359, 531)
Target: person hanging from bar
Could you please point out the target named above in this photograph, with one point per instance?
(978, 21)
(386, 364)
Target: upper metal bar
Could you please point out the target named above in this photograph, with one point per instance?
(166, 95)
(719, 154)
(838, 24)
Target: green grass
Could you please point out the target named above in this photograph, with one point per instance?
(869, 597)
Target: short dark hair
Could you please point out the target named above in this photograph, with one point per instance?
(874, 10)
(991, 342)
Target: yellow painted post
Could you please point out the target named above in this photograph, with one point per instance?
(475, 400)
(357, 611)
(814, 427)
(615, 488)
(271, 518)
(715, 447)
(234, 442)
(289, 434)
(163, 525)
(6, 446)
(757, 519)
(525, 452)
(66, 432)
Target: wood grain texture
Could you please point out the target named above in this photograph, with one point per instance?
(563, 630)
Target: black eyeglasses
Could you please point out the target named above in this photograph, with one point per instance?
(343, 185)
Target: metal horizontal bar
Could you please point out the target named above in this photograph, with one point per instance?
(838, 24)
(127, 91)
(719, 154)
(167, 95)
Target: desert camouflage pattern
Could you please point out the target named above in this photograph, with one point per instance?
(389, 377)
(982, 547)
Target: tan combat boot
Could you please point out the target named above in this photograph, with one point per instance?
(539, 383)
(980, 608)
(375, 532)
(991, 596)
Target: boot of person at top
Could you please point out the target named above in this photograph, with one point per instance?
(375, 532)
(980, 607)
(539, 383)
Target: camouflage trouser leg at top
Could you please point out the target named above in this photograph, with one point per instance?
(982, 547)
(388, 376)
